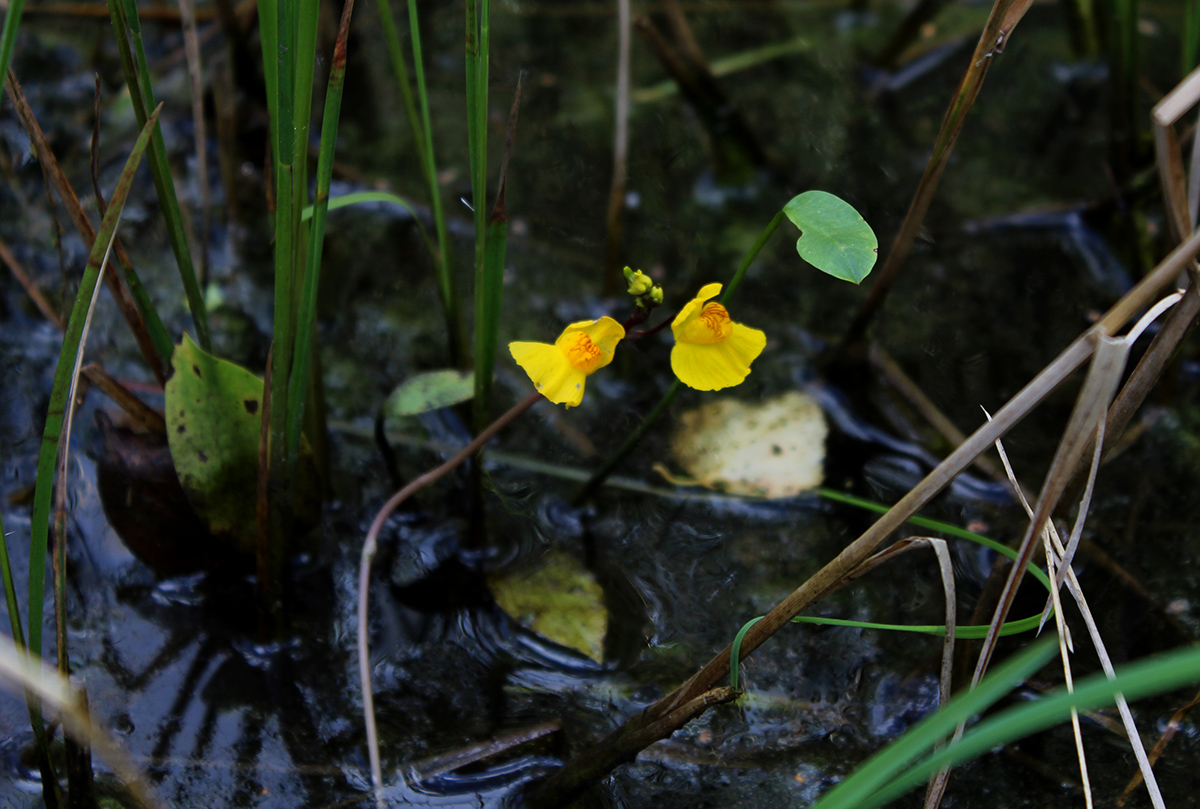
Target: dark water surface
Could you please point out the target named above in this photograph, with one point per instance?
(1015, 259)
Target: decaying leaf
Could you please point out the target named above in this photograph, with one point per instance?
(774, 448)
(561, 601)
(146, 506)
(214, 416)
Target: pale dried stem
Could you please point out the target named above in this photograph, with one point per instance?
(370, 545)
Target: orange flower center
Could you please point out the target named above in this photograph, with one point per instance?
(582, 353)
(712, 325)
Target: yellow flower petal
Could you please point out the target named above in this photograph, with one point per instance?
(559, 371)
(711, 351)
(550, 372)
(694, 306)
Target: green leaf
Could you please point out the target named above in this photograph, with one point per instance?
(214, 421)
(834, 238)
(560, 601)
(430, 391)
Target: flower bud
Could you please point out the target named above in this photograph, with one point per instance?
(639, 282)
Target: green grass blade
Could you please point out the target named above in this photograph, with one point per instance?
(306, 319)
(894, 759)
(48, 453)
(10, 592)
(933, 525)
(488, 301)
(128, 27)
(361, 198)
(971, 631)
(392, 38)
(8, 39)
(443, 258)
(1154, 675)
(477, 102)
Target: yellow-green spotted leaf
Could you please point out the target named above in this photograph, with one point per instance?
(834, 238)
(214, 419)
(430, 391)
(560, 601)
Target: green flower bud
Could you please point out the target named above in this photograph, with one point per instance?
(639, 282)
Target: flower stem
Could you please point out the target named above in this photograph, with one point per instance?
(751, 254)
(601, 474)
(368, 555)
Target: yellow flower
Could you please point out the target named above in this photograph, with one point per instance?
(711, 351)
(559, 371)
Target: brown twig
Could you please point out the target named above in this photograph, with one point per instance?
(618, 747)
(370, 544)
(615, 219)
(30, 286)
(67, 195)
(1004, 16)
(448, 762)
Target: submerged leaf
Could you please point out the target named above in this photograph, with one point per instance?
(560, 601)
(774, 448)
(430, 391)
(834, 238)
(214, 420)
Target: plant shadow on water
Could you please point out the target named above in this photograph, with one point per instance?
(173, 666)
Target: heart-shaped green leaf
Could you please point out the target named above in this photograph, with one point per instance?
(834, 238)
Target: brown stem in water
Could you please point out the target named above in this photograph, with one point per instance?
(618, 747)
(995, 35)
(368, 555)
(71, 202)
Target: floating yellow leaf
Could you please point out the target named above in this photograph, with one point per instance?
(560, 601)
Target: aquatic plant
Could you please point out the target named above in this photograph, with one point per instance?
(712, 352)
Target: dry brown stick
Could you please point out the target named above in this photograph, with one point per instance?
(903, 384)
(448, 762)
(1165, 114)
(619, 747)
(31, 288)
(191, 43)
(370, 545)
(145, 415)
(706, 96)
(685, 40)
(615, 219)
(1160, 746)
(71, 202)
(94, 372)
(820, 583)
(992, 40)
